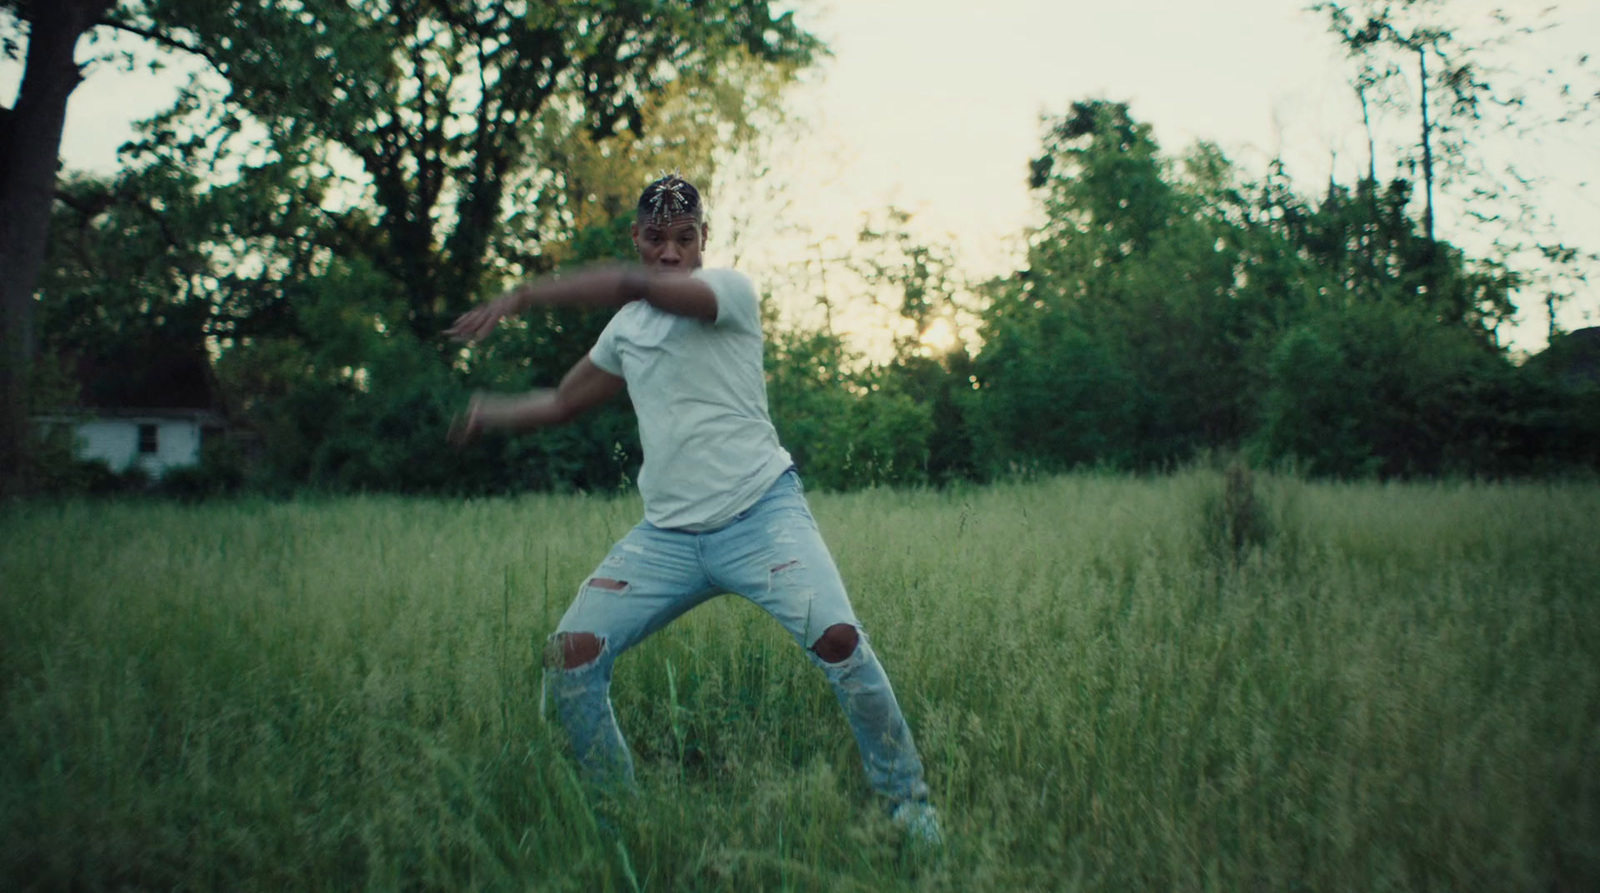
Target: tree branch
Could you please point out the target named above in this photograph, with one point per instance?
(165, 40)
(86, 207)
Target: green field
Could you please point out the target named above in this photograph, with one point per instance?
(1384, 687)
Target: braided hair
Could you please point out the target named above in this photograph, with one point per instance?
(669, 197)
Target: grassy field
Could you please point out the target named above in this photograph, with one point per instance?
(1367, 688)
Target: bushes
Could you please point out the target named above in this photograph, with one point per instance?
(1384, 390)
(847, 424)
(1051, 397)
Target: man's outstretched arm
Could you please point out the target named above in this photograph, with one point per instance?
(584, 387)
(608, 286)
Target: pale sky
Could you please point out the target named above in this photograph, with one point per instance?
(935, 106)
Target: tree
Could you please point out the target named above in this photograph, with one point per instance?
(409, 134)
(30, 139)
(349, 176)
(1383, 389)
(848, 423)
(1459, 97)
(1172, 308)
(931, 365)
(1121, 341)
(1383, 27)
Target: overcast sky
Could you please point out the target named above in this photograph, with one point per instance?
(934, 106)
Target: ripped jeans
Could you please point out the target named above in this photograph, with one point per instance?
(771, 554)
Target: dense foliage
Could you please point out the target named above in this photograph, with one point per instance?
(345, 178)
(308, 252)
(1172, 309)
(1169, 309)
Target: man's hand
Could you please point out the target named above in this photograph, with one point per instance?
(584, 387)
(466, 427)
(481, 320)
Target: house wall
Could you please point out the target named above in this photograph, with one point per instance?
(116, 441)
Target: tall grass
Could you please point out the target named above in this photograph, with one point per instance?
(1380, 687)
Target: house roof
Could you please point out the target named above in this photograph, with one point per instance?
(146, 376)
(205, 417)
(1573, 357)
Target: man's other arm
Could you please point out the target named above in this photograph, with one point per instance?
(584, 387)
(596, 287)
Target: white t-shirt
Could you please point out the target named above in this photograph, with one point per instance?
(700, 393)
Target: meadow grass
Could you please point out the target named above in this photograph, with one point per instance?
(1379, 687)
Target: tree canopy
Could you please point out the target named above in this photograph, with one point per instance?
(344, 177)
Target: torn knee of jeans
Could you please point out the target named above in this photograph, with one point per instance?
(569, 651)
(608, 584)
(836, 643)
(787, 565)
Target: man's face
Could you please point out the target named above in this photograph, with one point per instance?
(671, 245)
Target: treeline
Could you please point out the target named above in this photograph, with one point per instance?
(339, 182)
(1169, 309)
(306, 254)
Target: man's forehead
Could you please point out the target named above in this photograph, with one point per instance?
(674, 225)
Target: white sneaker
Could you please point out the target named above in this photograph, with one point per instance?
(920, 821)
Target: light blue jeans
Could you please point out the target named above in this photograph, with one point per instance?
(771, 554)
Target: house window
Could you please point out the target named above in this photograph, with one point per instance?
(147, 440)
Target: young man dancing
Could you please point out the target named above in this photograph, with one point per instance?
(724, 510)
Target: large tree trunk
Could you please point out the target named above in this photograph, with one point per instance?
(29, 145)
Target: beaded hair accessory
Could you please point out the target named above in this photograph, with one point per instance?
(667, 200)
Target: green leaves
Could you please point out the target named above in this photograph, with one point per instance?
(847, 424)
(427, 115)
(1170, 310)
(346, 176)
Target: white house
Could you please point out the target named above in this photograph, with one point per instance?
(147, 405)
(152, 439)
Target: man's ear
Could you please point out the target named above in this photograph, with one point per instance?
(705, 233)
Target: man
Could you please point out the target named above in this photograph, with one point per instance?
(724, 507)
